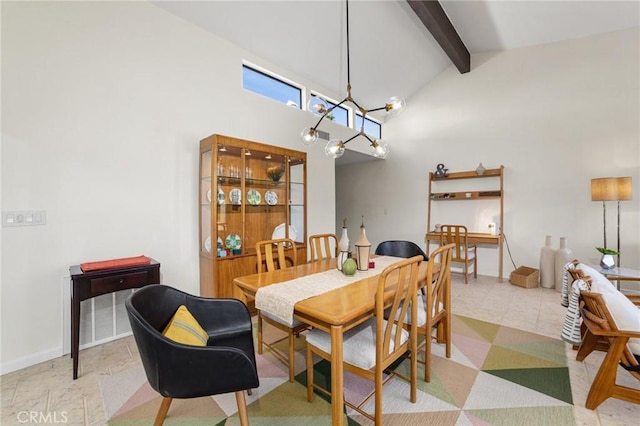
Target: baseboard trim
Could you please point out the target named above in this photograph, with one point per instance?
(28, 361)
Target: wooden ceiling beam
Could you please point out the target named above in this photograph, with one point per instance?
(436, 21)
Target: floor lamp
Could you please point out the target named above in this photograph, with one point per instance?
(611, 189)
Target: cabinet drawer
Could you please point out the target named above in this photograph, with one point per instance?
(118, 282)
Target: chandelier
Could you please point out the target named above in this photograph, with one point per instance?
(319, 107)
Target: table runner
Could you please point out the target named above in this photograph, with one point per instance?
(279, 299)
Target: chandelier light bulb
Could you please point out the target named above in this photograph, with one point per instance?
(380, 149)
(395, 105)
(317, 106)
(334, 148)
(309, 136)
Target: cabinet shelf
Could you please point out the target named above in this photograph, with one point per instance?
(473, 195)
(468, 175)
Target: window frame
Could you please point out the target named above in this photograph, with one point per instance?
(277, 78)
(377, 123)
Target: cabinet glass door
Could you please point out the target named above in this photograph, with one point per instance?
(266, 197)
(205, 202)
(297, 197)
(229, 202)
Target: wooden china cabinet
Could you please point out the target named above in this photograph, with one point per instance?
(249, 192)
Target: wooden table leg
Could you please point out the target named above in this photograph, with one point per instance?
(337, 376)
(500, 265)
(75, 329)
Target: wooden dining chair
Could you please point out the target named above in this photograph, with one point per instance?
(372, 346)
(600, 323)
(272, 255)
(434, 308)
(463, 252)
(321, 246)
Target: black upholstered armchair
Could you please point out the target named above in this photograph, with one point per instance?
(226, 364)
(400, 248)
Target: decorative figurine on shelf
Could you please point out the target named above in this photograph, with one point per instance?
(275, 173)
(480, 170)
(344, 246)
(363, 248)
(440, 171)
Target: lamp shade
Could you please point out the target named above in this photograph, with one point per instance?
(611, 189)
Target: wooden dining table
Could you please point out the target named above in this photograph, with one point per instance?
(334, 312)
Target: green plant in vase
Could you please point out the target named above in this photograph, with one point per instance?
(607, 261)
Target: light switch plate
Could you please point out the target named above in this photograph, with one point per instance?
(24, 218)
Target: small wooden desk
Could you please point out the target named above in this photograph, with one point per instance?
(95, 283)
(476, 238)
(333, 312)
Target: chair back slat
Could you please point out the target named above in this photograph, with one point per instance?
(437, 289)
(272, 254)
(321, 246)
(458, 235)
(397, 287)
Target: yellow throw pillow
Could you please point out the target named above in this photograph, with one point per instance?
(183, 328)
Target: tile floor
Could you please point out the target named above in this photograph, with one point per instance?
(48, 391)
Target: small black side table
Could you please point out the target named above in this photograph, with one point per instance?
(95, 283)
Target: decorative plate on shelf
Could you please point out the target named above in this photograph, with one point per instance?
(233, 242)
(271, 198)
(209, 195)
(207, 244)
(254, 197)
(279, 232)
(235, 196)
(220, 196)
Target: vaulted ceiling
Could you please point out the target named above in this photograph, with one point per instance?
(392, 52)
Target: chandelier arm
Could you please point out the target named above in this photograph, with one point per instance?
(364, 111)
(378, 109)
(320, 121)
(338, 104)
(351, 138)
(368, 138)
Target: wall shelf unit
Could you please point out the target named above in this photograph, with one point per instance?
(249, 191)
(438, 192)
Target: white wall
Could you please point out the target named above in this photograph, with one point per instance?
(555, 116)
(103, 108)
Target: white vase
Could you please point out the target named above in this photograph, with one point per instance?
(563, 256)
(480, 169)
(344, 247)
(547, 264)
(363, 248)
